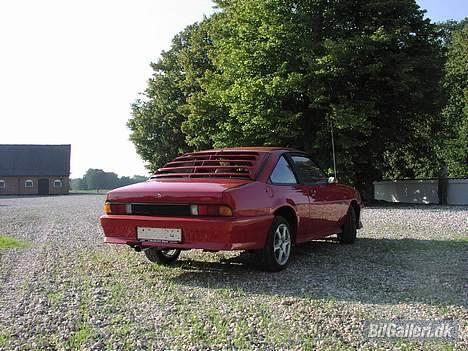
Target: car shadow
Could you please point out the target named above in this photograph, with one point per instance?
(376, 271)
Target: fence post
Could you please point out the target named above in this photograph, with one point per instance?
(443, 185)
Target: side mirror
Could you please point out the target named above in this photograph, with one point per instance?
(332, 180)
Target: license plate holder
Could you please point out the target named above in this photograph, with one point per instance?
(160, 234)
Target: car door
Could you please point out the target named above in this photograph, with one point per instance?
(322, 211)
(286, 188)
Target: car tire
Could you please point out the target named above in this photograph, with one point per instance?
(162, 256)
(349, 229)
(275, 255)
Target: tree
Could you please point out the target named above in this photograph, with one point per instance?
(454, 141)
(94, 179)
(286, 70)
(138, 179)
(78, 184)
(158, 115)
(97, 179)
(282, 72)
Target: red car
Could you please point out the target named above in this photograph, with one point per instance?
(259, 199)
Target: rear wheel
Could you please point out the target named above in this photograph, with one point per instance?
(349, 230)
(275, 255)
(162, 256)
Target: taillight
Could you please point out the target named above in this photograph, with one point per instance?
(116, 209)
(211, 210)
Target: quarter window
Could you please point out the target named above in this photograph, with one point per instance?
(28, 183)
(308, 170)
(283, 174)
(2, 184)
(57, 183)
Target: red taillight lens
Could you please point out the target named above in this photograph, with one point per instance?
(115, 209)
(211, 210)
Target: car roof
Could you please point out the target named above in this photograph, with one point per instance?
(238, 162)
(253, 148)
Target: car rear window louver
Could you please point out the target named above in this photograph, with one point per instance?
(216, 164)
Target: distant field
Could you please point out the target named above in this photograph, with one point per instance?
(71, 292)
(91, 191)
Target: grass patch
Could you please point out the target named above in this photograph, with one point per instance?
(55, 297)
(12, 243)
(84, 330)
(3, 340)
(79, 338)
(461, 239)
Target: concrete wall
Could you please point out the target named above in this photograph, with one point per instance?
(421, 191)
(458, 192)
(17, 185)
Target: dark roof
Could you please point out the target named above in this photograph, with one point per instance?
(34, 160)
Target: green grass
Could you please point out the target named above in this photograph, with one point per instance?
(79, 338)
(55, 297)
(461, 239)
(12, 243)
(84, 330)
(3, 340)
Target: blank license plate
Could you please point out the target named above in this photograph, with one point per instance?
(163, 234)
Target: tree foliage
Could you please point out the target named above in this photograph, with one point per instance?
(282, 72)
(96, 179)
(159, 113)
(454, 142)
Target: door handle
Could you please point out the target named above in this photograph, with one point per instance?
(313, 192)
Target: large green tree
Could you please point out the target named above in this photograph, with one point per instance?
(454, 141)
(286, 70)
(282, 72)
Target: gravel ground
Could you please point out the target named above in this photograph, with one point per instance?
(71, 292)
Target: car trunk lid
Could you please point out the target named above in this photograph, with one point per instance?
(180, 191)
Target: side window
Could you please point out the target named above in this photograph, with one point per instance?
(308, 170)
(283, 174)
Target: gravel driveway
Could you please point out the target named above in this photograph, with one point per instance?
(71, 292)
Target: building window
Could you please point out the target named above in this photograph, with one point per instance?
(28, 183)
(2, 184)
(57, 183)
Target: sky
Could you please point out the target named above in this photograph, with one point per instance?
(70, 69)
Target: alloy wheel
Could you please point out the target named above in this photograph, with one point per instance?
(282, 244)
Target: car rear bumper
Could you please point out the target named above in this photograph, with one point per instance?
(197, 233)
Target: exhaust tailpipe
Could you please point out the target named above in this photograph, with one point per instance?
(137, 248)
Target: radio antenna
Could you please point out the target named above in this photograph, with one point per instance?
(333, 149)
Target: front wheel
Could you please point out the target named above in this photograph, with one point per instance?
(275, 255)
(162, 256)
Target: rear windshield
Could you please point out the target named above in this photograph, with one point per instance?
(218, 164)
